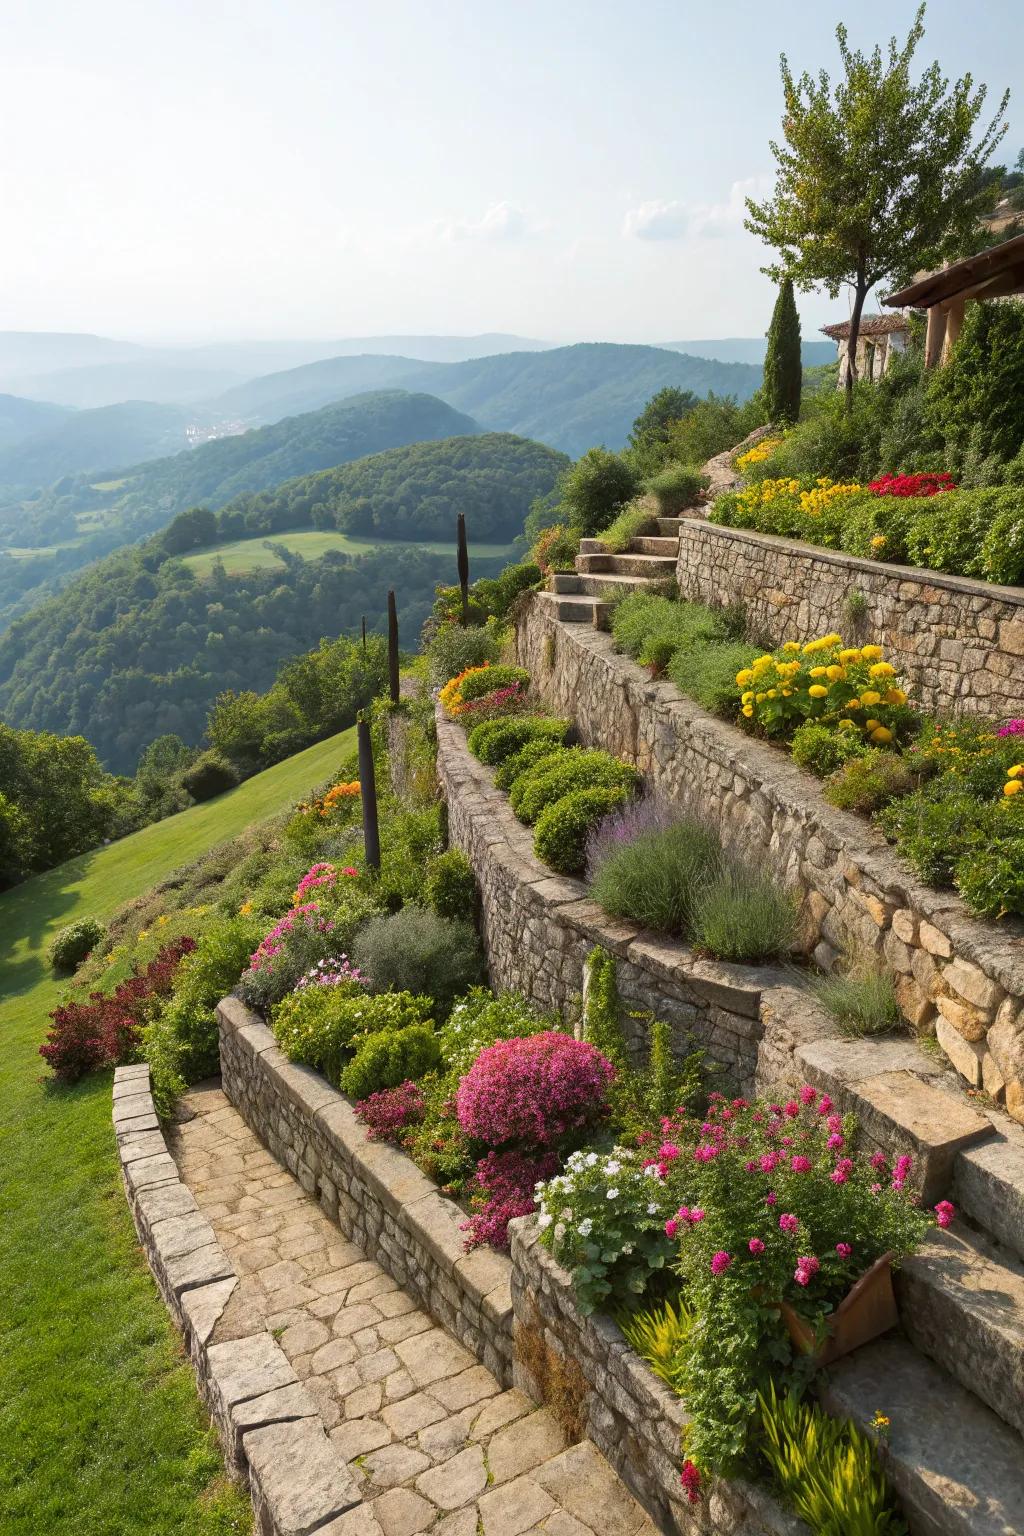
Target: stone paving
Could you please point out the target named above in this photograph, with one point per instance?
(433, 1441)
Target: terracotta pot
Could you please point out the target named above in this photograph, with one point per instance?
(867, 1310)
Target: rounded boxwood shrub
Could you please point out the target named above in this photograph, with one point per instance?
(494, 740)
(416, 951)
(73, 943)
(542, 750)
(823, 750)
(543, 784)
(560, 836)
(450, 886)
(211, 774)
(323, 1025)
(490, 679)
(386, 1060)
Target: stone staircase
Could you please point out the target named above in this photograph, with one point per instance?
(951, 1379)
(648, 563)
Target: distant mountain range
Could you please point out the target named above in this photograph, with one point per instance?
(751, 349)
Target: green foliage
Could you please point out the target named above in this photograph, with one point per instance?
(713, 425)
(386, 1060)
(783, 374)
(862, 1003)
(651, 629)
(189, 530)
(824, 750)
(708, 674)
(492, 741)
(450, 885)
(634, 519)
(211, 774)
(825, 1468)
(480, 1018)
(654, 879)
(677, 487)
(594, 488)
(417, 951)
(743, 917)
(560, 837)
(56, 801)
(933, 834)
(876, 176)
(323, 1025)
(544, 783)
(602, 1026)
(530, 756)
(660, 1335)
(69, 947)
(481, 683)
(869, 780)
(975, 404)
(451, 649)
(991, 879)
(649, 436)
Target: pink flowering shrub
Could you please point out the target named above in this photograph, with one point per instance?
(1011, 728)
(505, 1184)
(320, 877)
(533, 1091)
(273, 944)
(388, 1114)
(334, 971)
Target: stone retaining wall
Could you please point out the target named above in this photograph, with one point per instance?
(633, 1418)
(268, 1424)
(961, 978)
(377, 1195)
(960, 642)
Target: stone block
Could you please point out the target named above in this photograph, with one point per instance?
(898, 1110)
(203, 1307)
(969, 981)
(966, 1020)
(964, 1055)
(161, 1169)
(298, 1480)
(988, 1186)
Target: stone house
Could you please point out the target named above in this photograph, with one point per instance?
(881, 336)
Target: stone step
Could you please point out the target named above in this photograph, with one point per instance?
(609, 585)
(962, 1303)
(564, 581)
(576, 609)
(669, 527)
(988, 1186)
(656, 567)
(957, 1469)
(655, 544)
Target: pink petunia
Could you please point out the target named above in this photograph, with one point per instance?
(800, 1164)
(944, 1213)
(788, 1222)
(844, 1250)
(720, 1262)
(756, 1247)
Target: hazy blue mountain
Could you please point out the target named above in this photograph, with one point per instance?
(312, 385)
(175, 381)
(751, 349)
(20, 419)
(74, 441)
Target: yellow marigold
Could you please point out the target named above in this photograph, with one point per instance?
(872, 725)
(744, 676)
(246, 909)
(791, 646)
(882, 669)
(832, 639)
(748, 710)
(847, 725)
(871, 652)
(879, 541)
(895, 696)
(1013, 787)
(745, 698)
(881, 736)
(853, 704)
(869, 696)
(816, 691)
(849, 654)
(819, 671)
(772, 693)
(835, 674)
(1016, 771)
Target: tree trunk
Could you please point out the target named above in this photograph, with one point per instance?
(368, 795)
(463, 565)
(860, 295)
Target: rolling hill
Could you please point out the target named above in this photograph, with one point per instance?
(313, 385)
(69, 442)
(20, 419)
(751, 349)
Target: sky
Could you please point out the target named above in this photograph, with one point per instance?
(183, 170)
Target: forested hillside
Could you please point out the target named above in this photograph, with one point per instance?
(411, 492)
(72, 441)
(136, 648)
(313, 385)
(20, 419)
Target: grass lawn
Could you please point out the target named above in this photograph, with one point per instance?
(252, 554)
(101, 1429)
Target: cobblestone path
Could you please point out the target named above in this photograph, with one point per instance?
(432, 1439)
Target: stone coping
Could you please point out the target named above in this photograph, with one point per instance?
(268, 1424)
(374, 1191)
(967, 585)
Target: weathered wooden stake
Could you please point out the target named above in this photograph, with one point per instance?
(368, 794)
(393, 647)
(463, 567)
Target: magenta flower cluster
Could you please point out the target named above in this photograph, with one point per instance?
(1011, 728)
(263, 957)
(318, 877)
(533, 1091)
(391, 1111)
(505, 1183)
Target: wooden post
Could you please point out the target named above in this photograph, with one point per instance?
(368, 793)
(364, 634)
(393, 647)
(934, 336)
(463, 558)
(954, 322)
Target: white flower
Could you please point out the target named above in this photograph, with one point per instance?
(627, 1248)
(544, 1220)
(652, 1209)
(591, 1159)
(651, 1171)
(613, 1194)
(567, 1214)
(586, 1227)
(611, 1168)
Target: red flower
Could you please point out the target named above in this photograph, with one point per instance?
(690, 1480)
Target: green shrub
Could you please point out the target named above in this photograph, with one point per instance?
(556, 549)
(542, 750)
(826, 1469)
(386, 1060)
(742, 916)
(479, 684)
(933, 835)
(322, 1025)
(306, 943)
(862, 1003)
(450, 885)
(824, 750)
(560, 836)
(499, 593)
(869, 780)
(660, 1335)
(417, 951)
(713, 425)
(211, 774)
(990, 878)
(72, 944)
(545, 782)
(452, 649)
(707, 674)
(594, 488)
(677, 487)
(652, 628)
(494, 740)
(975, 404)
(480, 1018)
(654, 879)
(631, 522)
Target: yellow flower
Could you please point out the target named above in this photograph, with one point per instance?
(878, 542)
(847, 725)
(832, 639)
(744, 677)
(245, 910)
(849, 654)
(787, 693)
(895, 696)
(791, 646)
(759, 698)
(881, 736)
(835, 674)
(746, 698)
(143, 934)
(853, 704)
(1016, 771)
(881, 1420)
(748, 710)
(772, 693)
(882, 669)
(162, 920)
(871, 652)
(1013, 787)
(816, 691)
(819, 671)
(869, 696)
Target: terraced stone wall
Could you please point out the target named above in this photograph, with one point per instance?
(957, 977)
(959, 642)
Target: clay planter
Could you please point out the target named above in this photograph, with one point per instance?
(868, 1309)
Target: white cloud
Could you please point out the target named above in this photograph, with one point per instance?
(662, 220)
(500, 222)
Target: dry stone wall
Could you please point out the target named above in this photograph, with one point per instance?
(958, 977)
(960, 642)
(377, 1196)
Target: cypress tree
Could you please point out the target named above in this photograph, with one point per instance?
(782, 368)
